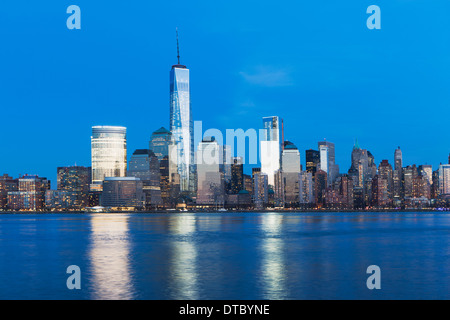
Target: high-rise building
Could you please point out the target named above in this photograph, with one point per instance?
(7, 184)
(380, 196)
(30, 195)
(74, 178)
(385, 172)
(145, 165)
(444, 179)
(290, 170)
(398, 157)
(182, 125)
(327, 161)
(123, 192)
(271, 147)
(226, 164)
(312, 160)
(73, 188)
(160, 143)
(109, 154)
(320, 187)
(360, 163)
(306, 195)
(346, 191)
(397, 176)
(260, 190)
(407, 181)
(426, 170)
(248, 183)
(435, 191)
(421, 187)
(237, 175)
(210, 184)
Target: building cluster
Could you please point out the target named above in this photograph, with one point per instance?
(169, 174)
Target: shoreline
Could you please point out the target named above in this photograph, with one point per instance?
(393, 211)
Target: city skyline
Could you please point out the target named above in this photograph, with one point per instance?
(260, 85)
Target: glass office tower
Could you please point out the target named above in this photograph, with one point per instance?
(271, 147)
(444, 179)
(327, 161)
(181, 126)
(109, 154)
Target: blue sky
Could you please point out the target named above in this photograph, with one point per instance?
(313, 63)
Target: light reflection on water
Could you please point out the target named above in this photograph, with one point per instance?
(109, 258)
(183, 259)
(273, 266)
(225, 256)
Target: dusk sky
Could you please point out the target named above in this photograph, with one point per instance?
(313, 63)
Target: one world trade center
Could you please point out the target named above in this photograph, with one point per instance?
(181, 125)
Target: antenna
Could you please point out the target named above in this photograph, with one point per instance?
(178, 47)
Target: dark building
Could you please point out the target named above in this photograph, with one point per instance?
(386, 172)
(248, 183)
(320, 186)
(379, 197)
(73, 184)
(7, 184)
(237, 175)
(312, 160)
(123, 192)
(159, 143)
(145, 165)
(397, 177)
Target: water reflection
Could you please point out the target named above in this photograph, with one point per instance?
(183, 274)
(109, 258)
(273, 264)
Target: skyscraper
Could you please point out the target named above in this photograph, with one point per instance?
(444, 179)
(385, 172)
(30, 195)
(260, 190)
(271, 146)
(426, 170)
(73, 188)
(397, 176)
(210, 183)
(109, 154)
(290, 171)
(181, 125)
(360, 163)
(320, 186)
(398, 159)
(7, 184)
(237, 175)
(145, 165)
(306, 187)
(312, 160)
(160, 143)
(327, 161)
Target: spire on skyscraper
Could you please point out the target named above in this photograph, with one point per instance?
(178, 47)
(356, 145)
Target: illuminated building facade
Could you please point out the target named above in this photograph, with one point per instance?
(108, 153)
(181, 126)
(271, 146)
(444, 179)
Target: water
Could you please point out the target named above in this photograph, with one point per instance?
(225, 256)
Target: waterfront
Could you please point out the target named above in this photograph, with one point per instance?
(275, 255)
